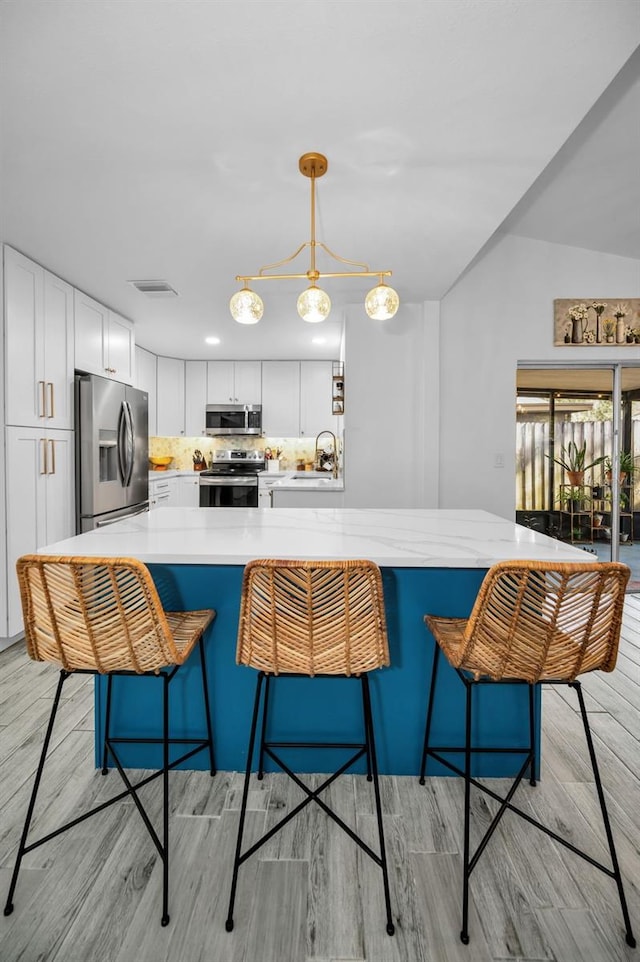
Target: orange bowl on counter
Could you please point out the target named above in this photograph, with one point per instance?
(160, 464)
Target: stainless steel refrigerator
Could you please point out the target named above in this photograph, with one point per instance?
(112, 452)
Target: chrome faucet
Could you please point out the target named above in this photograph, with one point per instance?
(335, 453)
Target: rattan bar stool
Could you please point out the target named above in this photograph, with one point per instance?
(104, 616)
(532, 623)
(312, 619)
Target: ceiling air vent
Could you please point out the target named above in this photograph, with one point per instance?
(155, 288)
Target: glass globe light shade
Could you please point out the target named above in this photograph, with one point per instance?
(381, 302)
(314, 305)
(246, 307)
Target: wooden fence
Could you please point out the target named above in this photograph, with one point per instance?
(532, 467)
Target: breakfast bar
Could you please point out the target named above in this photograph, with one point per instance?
(432, 561)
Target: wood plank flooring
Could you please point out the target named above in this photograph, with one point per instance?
(310, 895)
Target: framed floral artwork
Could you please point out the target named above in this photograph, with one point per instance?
(587, 323)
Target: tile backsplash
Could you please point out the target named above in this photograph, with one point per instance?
(294, 451)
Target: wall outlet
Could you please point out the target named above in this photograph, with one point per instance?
(498, 460)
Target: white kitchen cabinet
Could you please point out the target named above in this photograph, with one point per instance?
(296, 398)
(195, 398)
(39, 345)
(146, 380)
(163, 493)
(40, 499)
(171, 397)
(189, 491)
(315, 398)
(104, 341)
(235, 382)
(281, 399)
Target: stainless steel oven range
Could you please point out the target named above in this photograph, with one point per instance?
(232, 482)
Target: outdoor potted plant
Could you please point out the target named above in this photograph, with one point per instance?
(573, 460)
(627, 464)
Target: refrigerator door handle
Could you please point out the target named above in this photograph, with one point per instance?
(123, 517)
(125, 444)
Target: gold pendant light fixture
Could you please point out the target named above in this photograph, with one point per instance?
(314, 304)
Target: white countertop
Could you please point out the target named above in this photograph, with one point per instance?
(392, 537)
(300, 481)
(170, 473)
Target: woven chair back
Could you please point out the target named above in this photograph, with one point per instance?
(312, 617)
(535, 620)
(101, 614)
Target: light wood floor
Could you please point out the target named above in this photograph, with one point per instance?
(92, 895)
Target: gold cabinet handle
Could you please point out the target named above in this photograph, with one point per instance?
(43, 456)
(52, 406)
(42, 412)
(53, 457)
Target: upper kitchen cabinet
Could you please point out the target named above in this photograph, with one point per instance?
(104, 340)
(296, 398)
(281, 399)
(315, 398)
(238, 382)
(171, 397)
(39, 345)
(146, 380)
(195, 397)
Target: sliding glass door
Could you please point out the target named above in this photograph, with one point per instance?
(577, 445)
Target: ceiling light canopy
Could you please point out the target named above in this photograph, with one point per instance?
(314, 304)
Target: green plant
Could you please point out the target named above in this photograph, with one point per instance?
(624, 499)
(573, 458)
(627, 463)
(577, 495)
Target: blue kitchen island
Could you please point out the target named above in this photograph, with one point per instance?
(432, 561)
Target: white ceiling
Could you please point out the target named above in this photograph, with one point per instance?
(159, 139)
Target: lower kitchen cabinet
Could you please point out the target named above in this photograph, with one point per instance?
(40, 499)
(189, 491)
(163, 493)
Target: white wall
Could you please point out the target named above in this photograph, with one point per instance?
(391, 408)
(499, 313)
(3, 527)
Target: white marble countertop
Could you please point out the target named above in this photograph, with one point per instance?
(171, 473)
(392, 537)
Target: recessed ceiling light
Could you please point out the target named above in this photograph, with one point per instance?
(212, 340)
(318, 340)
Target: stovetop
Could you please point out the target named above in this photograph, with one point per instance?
(236, 462)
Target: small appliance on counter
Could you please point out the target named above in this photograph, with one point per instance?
(232, 481)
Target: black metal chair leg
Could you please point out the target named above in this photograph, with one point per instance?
(8, 909)
(165, 800)
(245, 793)
(370, 738)
(207, 708)
(107, 722)
(464, 934)
(630, 939)
(366, 730)
(427, 727)
(532, 736)
(265, 706)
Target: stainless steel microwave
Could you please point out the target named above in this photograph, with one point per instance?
(225, 419)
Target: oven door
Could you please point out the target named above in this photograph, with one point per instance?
(226, 492)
